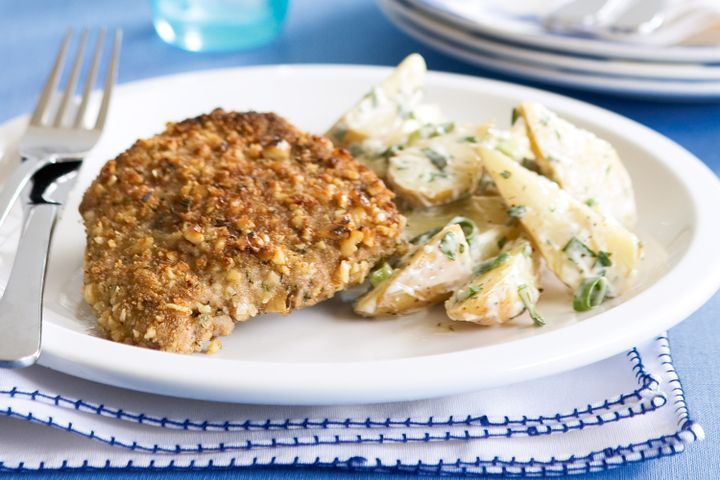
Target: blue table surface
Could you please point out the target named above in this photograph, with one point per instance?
(355, 31)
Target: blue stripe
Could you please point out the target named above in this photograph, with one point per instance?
(647, 384)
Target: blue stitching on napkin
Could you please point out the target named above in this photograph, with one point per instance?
(643, 377)
(646, 381)
(631, 453)
(595, 461)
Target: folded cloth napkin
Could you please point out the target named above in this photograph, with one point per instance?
(625, 409)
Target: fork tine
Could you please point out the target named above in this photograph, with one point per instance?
(109, 81)
(90, 80)
(51, 82)
(72, 81)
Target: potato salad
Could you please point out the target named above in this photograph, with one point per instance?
(490, 208)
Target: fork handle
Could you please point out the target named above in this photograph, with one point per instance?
(16, 182)
(21, 303)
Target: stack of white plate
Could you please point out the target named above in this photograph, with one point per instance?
(508, 36)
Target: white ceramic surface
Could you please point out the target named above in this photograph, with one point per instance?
(517, 21)
(645, 88)
(324, 354)
(596, 66)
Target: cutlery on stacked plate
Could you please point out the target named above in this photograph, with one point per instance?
(51, 151)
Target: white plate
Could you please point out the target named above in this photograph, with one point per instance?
(517, 21)
(571, 63)
(325, 355)
(492, 59)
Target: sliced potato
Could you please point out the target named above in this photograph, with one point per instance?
(437, 168)
(489, 214)
(429, 276)
(576, 241)
(586, 166)
(502, 288)
(386, 116)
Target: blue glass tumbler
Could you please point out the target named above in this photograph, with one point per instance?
(218, 25)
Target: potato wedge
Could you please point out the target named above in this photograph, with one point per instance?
(438, 168)
(429, 276)
(584, 165)
(576, 241)
(386, 116)
(501, 289)
(489, 214)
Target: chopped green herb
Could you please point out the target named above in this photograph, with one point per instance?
(471, 291)
(590, 294)
(404, 113)
(469, 139)
(524, 294)
(468, 227)
(448, 245)
(493, 263)
(517, 211)
(576, 246)
(590, 202)
(380, 274)
(425, 236)
(339, 134)
(435, 175)
(604, 258)
(391, 151)
(437, 159)
(505, 174)
(431, 131)
(356, 150)
(515, 116)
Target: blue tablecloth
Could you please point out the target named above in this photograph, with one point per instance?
(354, 31)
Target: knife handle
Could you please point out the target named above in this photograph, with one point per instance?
(21, 303)
(16, 182)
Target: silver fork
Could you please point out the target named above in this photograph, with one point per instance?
(49, 137)
(52, 151)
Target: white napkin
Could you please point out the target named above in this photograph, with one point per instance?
(625, 409)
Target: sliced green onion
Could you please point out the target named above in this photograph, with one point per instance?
(468, 227)
(493, 263)
(515, 116)
(524, 294)
(576, 246)
(425, 236)
(604, 258)
(590, 294)
(380, 274)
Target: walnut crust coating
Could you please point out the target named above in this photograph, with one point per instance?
(223, 217)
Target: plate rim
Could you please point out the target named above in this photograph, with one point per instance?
(422, 376)
(643, 70)
(555, 76)
(586, 47)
